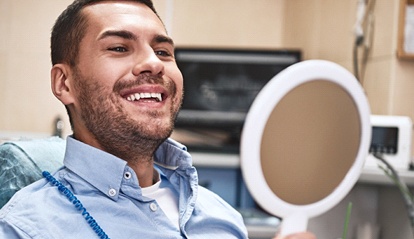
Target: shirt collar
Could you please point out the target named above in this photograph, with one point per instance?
(105, 171)
(99, 168)
(172, 155)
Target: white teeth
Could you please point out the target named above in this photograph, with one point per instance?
(131, 98)
(138, 96)
(157, 96)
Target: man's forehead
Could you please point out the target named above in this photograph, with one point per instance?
(108, 12)
(111, 7)
(120, 20)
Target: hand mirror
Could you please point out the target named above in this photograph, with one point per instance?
(304, 141)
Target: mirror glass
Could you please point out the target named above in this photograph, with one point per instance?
(308, 144)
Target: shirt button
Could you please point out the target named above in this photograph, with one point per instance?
(153, 207)
(112, 192)
(127, 175)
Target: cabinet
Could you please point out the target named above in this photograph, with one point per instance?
(405, 48)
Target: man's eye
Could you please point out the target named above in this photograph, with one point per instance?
(118, 49)
(162, 53)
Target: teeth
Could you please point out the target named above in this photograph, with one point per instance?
(131, 98)
(138, 96)
(157, 96)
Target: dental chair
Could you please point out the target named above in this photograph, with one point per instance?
(23, 161)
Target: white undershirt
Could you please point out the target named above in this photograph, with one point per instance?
(166, 199)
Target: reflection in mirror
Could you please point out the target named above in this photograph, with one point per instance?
(308, 145)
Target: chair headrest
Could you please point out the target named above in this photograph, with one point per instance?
(23, 161)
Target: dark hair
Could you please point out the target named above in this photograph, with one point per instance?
(69, 29)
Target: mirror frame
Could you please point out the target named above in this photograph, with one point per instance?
(256, 120)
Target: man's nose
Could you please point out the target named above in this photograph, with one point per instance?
(148, 62)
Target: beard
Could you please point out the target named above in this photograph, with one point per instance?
(114, 128)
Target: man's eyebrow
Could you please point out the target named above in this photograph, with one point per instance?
(163, 38)
(115, 33)
(131, 36)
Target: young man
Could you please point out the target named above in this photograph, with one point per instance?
(115, 72)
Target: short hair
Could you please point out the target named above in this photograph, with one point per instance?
(69, 30)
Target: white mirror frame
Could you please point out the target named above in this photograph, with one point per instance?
(295, 217)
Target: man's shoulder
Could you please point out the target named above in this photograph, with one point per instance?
(213, 200)
(34, 199)
(34, 211)
(27, 198)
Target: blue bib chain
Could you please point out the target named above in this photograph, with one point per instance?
(78, 205)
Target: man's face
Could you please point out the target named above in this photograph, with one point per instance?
(127, 84)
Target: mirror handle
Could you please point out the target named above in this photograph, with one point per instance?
(294, 223)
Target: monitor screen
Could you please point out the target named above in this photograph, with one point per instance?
(384, 140)
(219, 88)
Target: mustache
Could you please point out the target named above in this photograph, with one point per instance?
(145, 78)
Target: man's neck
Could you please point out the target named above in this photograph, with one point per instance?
(145, 172)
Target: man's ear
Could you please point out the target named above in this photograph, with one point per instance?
(62, 83)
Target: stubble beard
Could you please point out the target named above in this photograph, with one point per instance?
(114, 129)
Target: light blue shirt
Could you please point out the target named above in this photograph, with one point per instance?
(103, 184)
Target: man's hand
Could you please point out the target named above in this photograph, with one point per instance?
(301, 235)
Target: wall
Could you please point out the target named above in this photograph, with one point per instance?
(242, 23)
(27, 103)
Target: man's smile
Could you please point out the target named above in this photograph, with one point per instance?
(147, 93)
(145, 97)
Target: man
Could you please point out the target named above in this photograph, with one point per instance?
(115, 72)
